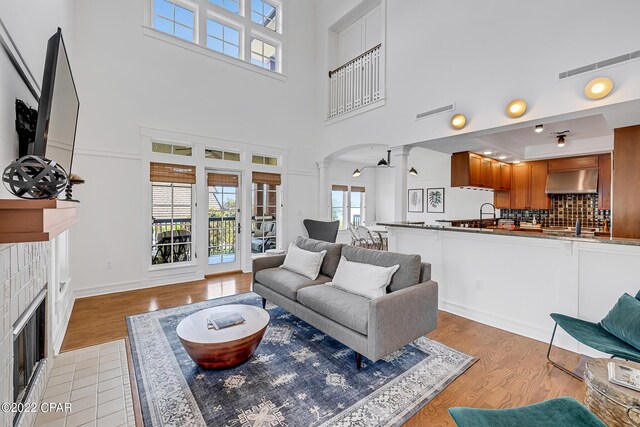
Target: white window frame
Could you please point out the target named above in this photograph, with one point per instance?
(240, 6)
(203, 10)
(264, 39)
(193, 7)
(273, 4)
(227, 23)
(265, 157)
(223, 151)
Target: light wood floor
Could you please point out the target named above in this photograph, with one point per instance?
(511, 370)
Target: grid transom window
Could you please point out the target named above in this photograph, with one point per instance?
(250, 31)
(263, 54)
(232, 6)
(223, 39)
(264, 14)
(221, 155)
(264, 160)
(173, 19)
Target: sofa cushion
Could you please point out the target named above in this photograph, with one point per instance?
(367, 280)
(331, 259)
(285, 282)
(306, 263)
(407, 275)
(351, 311)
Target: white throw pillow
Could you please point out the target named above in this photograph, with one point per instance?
(366, 280)
(303, 262)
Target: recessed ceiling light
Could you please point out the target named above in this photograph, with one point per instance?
(516, 108)
(458, 121)
(487, 153)
(502, 156)
(598, 88)
(539, 128)
(516, 162)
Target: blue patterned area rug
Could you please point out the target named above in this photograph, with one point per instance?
(298, 376)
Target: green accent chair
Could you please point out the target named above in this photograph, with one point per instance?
(593, 335)
(560, 412)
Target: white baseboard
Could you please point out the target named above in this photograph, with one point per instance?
(110, 288)
(518, 327)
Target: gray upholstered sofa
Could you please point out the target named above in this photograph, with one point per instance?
(373, 328)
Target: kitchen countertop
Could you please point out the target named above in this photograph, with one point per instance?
(524, 233)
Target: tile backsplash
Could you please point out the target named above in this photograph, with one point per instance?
(565, 210)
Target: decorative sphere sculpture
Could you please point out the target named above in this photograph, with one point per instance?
(33, 177)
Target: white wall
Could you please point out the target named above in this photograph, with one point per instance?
(128, 80)
(360, 36)
(481, 55)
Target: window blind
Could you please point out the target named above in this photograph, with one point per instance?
(222, 180)
(166, 172)
(266, 178)
(339, 188)
(357, 189)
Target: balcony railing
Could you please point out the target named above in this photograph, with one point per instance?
(356, 83)
(222, 235)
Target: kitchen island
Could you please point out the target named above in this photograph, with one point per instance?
(513, 280)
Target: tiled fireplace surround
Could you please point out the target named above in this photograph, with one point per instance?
(26, 269)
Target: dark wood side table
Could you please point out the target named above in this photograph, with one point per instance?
(613, 404)
(224, 348)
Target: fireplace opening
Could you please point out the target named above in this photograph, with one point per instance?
(28, 347)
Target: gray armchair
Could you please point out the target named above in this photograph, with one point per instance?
(322, 230)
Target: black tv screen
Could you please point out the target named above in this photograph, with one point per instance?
(58, 107)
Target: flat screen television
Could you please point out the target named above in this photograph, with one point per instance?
(58, 107)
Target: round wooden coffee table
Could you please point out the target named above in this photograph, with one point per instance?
(224, 348)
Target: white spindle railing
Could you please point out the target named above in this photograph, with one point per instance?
(356, 83)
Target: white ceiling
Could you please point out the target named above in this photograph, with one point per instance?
(590, 131)
(519, 142)
(366, 155)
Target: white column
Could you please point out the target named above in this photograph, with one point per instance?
(324, 191)
(400, 161)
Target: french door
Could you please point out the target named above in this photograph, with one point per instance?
(223, 223)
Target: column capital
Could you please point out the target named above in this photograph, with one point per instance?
(324, 163)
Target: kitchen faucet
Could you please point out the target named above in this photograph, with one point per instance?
(482, 213)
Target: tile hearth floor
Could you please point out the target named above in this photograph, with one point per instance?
(96, 382)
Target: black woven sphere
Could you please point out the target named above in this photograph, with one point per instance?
(33, 177)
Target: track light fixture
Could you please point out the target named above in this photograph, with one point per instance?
(561, 141)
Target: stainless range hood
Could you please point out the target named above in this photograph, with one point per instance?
(584, 181)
